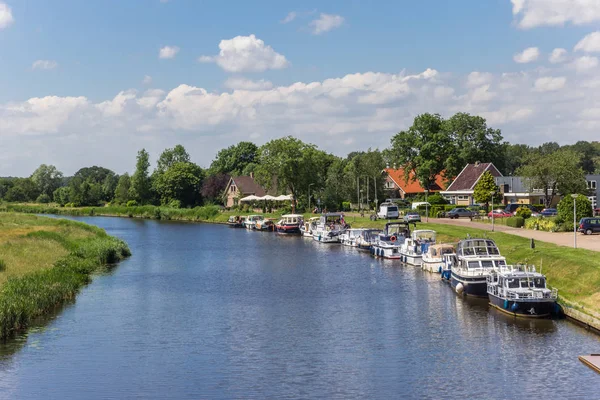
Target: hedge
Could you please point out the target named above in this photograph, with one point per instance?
(515, 222)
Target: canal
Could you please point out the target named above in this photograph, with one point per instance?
(204, 311)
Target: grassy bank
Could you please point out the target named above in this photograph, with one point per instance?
(44, 262)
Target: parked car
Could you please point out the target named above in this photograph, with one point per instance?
(412, 217)
(499, 213)
(388, 211)
(549, 212)
(512, 208)
(460, 212)
(589, 225)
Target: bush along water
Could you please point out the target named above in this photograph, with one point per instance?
(24, 298)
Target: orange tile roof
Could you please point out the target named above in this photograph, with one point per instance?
(413, 186)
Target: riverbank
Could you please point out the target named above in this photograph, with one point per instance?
(44, 262)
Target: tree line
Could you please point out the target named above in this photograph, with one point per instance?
(431, 146)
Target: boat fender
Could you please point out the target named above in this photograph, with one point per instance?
(459, 288)
(514, 307)
(506, 304)
(440, 269)
(393, 238)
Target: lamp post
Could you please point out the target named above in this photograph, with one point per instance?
(574, 196)
(309, 185)
(492, 196)
(426, 206)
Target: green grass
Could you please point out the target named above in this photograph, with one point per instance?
(46, 261)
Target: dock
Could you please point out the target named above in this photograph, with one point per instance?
(592, 361)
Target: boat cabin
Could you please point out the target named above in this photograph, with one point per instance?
(519, 282)
(395, 231)
(255, 218)
(290, 219)
(439, 250)
(477, 248)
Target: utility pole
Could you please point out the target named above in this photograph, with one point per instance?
(368, 206)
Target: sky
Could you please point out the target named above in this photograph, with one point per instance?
(91, 82)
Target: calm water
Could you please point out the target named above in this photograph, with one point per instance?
(204, 311)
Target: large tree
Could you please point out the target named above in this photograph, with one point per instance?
(234, 159)
(554, 172)
(47, 179)
(181, 182)
(213, 187)
(515, 156)
(122, 190)
(169, 157)
(140, 189)
(486, 189)
(292, 165)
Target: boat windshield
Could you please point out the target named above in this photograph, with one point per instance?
(537, 282)
(473, 264)
(487, 263)
(500, 263)
(512, 283)
(478, 247)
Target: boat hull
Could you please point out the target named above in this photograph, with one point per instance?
(432, 266)
(412, 259)
(391, 253)
(326, 238)
(524, 308)
(288, 229)
(476, 287)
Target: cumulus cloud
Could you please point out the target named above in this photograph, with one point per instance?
(533, 13)
(247, 84)
(590, 43)
(6, 17)
(168, 52)
(246, 54)
(325, 23)
(585, 63)
(528, 55)
(549, 83)
(558, 55)
(44, 64)
(289, 18)
(340, 114)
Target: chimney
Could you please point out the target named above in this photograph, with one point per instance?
(252, 175)
(477, 163)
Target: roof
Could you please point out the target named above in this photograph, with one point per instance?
(413, 185)
(469, 176)
(247, 185)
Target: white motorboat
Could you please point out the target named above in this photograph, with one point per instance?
(349, 237)
(366, 239)
(250, 222)
(309, 226)
(390, 240)
(416, 245)
(329, 228)
(433, 258)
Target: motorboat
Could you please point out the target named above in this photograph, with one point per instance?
(349, 237)
(250, 222)
(290, 224)
(309, 226)
(475, 260)
(390, 241)
(433, 258)
(521, 291)
(329, 228)
(236, 221)
(416, 245)
(448, 260)
(267, 224)
(367, 237)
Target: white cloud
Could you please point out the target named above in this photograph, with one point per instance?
(6, 17)
(584, 63)
(246, 54)
(477, 78)
(549, 83)
(325, 23)
(289, 18)
(168, 52)
(590, 43)
(247, 84)
(44, 64)
(340, 114)
(147, 80)
(558, 55)
(534, 13)
(528, 55)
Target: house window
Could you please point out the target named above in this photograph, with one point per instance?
(463, 197)
(591, 184)
(594, 201)
(232, 189)
(389, 185)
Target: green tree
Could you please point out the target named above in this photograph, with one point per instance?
(423, 148)
(565, 208)
(515, 157)
(47, 179)
(121, 194)
(169, 157)
(482, 192)
(61, 195)
(140, 189)
(554, 172)
(181, 182)
(234, 159)
(22, 189)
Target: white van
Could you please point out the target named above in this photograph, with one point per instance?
(388, 211)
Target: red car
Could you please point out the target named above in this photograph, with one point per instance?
(499, 214)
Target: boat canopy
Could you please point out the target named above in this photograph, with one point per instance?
(424, 235)
(437, 250)
(254, 217)
(477, 248)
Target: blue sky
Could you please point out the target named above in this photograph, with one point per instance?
(88, 86)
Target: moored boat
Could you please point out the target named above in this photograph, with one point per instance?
(433, 258)
(290, 224)
(349, 237)
(267, 224)
(416, 245)
(475, 260)
(309, 226)
(329, 228)
(367, 237)
(521, 291)
(390, 240)
(250, 222)
(236, 221)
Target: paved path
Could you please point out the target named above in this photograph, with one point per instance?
(591, 242)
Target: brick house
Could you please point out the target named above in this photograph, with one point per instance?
(397, 185)
(460, 191)
(239, 187)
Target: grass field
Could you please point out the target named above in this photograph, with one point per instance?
(44, 262)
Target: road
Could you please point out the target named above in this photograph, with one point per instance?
(591, 242)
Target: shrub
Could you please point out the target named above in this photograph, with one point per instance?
(515, 222)
(437, 199)
(565, 209)
(542, 224)
(450, 207)
(43, 198)
(175, 204)
(523, 212)
(345, 205)
(132, 203)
